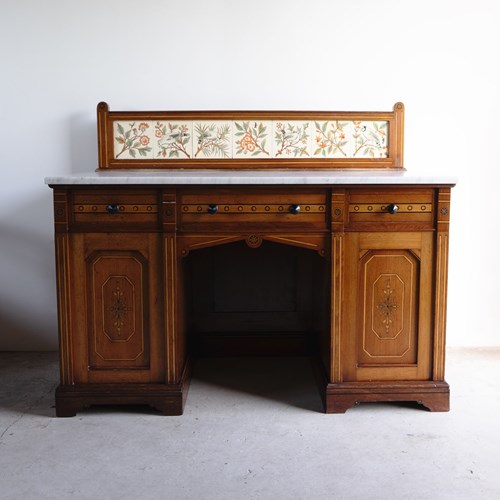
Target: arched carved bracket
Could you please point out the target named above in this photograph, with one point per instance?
(195, 242)
(318, 243)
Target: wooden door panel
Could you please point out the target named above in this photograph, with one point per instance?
(117, 326)
(389, 291)
(117, 295)
(388, 296)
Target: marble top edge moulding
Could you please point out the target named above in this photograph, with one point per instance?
(250, 139)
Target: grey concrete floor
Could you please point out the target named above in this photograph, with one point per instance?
(252, 429)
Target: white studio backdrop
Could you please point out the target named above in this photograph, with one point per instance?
(59, 58)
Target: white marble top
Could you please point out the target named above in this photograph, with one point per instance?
(246, 177)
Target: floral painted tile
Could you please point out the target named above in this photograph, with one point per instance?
(252, 139)
(212, 139)
(133, 140)
(332, 139)
(173, 139)
(184, 139)
(370, 139)
(291, 139)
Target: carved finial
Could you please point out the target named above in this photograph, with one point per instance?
(103, 106)
(399, 106)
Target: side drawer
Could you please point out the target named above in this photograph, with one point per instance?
(235, 208)
(390, 207)
(115, 208)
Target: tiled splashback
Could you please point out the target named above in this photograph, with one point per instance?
(249, 139)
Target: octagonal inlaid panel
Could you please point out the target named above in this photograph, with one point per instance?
(117, 298)
(389, 282)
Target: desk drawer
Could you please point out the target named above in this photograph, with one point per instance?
(306, 209)
(391, 206)
(115, 208)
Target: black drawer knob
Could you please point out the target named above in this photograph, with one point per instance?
(212, 208)
(113, 208)
(294, 209)
(392, 208)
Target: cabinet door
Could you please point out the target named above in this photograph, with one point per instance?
(387, 330)
(116, 320)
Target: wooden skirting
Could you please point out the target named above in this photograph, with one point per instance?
(169, 399)
(339, 397)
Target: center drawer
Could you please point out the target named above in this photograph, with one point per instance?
(234, 208)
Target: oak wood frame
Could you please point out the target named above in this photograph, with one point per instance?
(339, 392)
(394, 160)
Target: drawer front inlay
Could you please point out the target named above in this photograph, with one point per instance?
(257, 208)
(115, 208)
(391, 207)
(253, 209)
(368, 208)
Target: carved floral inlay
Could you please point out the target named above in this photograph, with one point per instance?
(254, 241)
(387, 306)
(118, 308)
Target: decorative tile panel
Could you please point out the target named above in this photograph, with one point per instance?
(212, 139)
(332, 139)
(133, 139)
(370, 139)
(173, 139)
(252, 139)
(292, 139)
